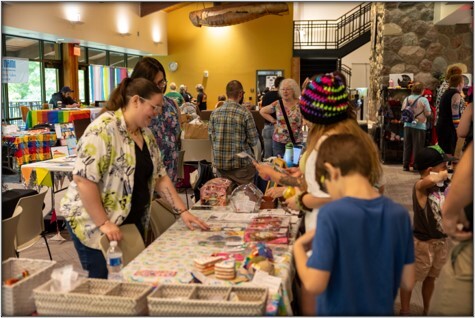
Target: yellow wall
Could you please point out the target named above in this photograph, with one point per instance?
(227, 53)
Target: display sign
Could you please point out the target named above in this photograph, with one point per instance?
(14, 70)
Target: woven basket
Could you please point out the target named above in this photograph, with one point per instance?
(200, 300)
(94, 297)
(17, 299)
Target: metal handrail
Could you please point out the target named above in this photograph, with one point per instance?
(333, 34)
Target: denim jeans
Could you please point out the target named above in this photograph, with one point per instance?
(92, 260)
(278, 149)
(267, 133)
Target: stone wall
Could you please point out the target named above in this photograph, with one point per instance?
(413, 44)
(375, 59)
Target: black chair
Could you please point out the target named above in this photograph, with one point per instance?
(80, 126)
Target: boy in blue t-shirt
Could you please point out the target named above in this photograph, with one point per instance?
(362, 249)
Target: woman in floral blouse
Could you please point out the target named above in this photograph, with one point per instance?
(290, 93)
(117, 168)
(166, 128)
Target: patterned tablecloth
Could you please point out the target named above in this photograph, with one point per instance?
(30, 146)
(55, 116)
(170, 258)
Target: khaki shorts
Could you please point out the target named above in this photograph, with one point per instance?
(430, 257)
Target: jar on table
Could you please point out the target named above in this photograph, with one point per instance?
(60, 104)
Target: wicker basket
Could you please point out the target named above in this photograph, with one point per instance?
(17, 299)
(94, 297)
(201, 300)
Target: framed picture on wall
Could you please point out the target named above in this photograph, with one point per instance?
(266, 78)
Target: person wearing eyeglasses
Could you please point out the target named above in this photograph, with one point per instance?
(165, 127)
(118, 167)
(288, 120)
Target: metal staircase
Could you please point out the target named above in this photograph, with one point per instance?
(333, 38)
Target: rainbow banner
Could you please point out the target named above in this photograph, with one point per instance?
(35, 117)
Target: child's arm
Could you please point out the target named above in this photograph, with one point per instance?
(408, 278)
(314, 280)
(427, 182)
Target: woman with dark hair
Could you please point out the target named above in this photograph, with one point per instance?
(450, 109)
(166, 127)
(117, 168)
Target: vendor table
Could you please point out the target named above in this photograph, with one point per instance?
(50, 173)
(172, 256)
(29, 146)
(55, 116)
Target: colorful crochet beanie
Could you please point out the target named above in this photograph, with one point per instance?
(325, 100)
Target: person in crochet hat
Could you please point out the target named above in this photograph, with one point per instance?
(325, 99)
(327, 111)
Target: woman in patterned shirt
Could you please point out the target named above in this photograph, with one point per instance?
(290, 93)
(117, 168)
(166, 127)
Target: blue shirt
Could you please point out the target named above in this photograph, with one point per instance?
(364, 244)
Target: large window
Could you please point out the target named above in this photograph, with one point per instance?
(45, 74)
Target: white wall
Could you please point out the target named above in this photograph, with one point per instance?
(358, 60)
(322, 10)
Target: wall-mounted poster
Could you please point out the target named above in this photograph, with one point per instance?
(15, 70)
(401, 80)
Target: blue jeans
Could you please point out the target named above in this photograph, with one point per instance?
(278, 149)
(267, 133)
(92, 260)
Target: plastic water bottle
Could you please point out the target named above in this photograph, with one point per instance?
(289, 155)
(114, 261)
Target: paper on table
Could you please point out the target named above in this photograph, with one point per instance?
(263, 279)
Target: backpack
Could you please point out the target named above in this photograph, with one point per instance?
(407, 114)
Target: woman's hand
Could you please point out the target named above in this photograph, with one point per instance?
(111, 230)
(189, 219)
(292, 202)
(275, 192)
(294, 172)
(306, 240)
(265, 171)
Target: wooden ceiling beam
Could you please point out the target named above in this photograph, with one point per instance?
(147, 8)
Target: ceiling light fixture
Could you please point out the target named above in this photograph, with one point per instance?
(75, 18)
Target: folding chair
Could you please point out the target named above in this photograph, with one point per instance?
(161, 217)
(9, 234)
(131, 244)
(31, 226)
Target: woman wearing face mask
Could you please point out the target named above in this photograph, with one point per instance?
(117, 168)
(166, 127)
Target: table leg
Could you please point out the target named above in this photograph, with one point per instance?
(58, 236)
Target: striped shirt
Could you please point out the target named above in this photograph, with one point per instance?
(232, 130)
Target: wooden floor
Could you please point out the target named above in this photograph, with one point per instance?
(398, 187)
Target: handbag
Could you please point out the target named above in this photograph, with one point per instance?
(291, 134)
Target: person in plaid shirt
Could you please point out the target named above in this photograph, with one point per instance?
(232, 130)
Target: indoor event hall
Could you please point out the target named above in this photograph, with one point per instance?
(237, 158)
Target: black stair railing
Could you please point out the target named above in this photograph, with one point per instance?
(332, 34)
